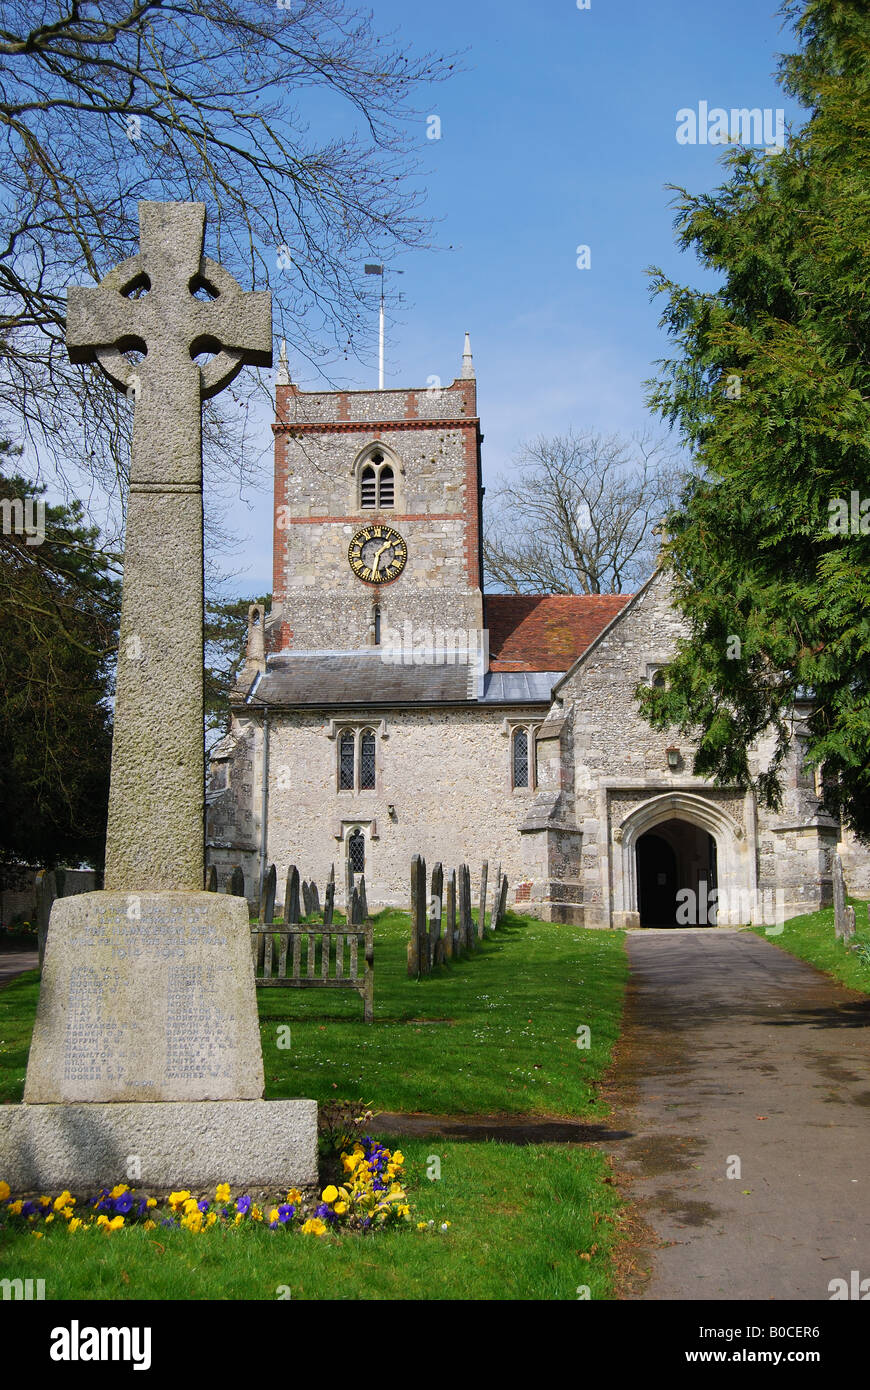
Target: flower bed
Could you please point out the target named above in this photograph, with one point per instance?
(370, 1197)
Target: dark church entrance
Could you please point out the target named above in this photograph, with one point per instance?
(675, 857)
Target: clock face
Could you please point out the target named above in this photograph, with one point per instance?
(377, 554)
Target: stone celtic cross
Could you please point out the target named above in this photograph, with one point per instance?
(171, 304)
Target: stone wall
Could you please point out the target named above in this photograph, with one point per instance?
(620, 759)
(446, 772)
(432, 441)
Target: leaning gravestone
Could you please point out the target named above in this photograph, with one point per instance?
(211, 879)
(481, 912)
(436, 890)
(291, 897)
(450, 943)
(307, 898)
(839, 896)
(848, 925)
(329, 900)
(236, 883)
(146, 1043)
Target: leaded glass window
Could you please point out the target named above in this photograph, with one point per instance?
(356, 851)
(367, 761)
(345, 762)
(521, 758)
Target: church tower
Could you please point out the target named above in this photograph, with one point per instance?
(377, 526)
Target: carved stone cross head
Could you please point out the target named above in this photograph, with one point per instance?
(171, 304)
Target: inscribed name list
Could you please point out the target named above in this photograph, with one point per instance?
(152, 998)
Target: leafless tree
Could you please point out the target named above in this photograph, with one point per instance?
(578, 515)
(106, 102)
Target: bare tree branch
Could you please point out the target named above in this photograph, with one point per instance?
(579, 514)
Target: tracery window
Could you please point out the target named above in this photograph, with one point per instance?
(357, 760)
(377, 483)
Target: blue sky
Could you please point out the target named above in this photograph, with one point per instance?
(560, 132)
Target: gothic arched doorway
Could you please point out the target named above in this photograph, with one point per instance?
(676, 874)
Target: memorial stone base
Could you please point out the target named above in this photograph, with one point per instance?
(145, 1064)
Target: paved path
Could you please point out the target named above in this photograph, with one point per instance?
(732, 1048)
(14, 963)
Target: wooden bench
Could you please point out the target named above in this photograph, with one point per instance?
(279, 964)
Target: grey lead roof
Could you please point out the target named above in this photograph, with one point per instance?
(366, 678)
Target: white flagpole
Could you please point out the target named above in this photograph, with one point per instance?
(381, 340)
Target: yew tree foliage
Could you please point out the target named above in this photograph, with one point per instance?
(771, 391)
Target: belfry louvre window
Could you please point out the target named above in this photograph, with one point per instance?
(367, 761)
(377, 483)
(346, 761)
(386, 490)
(521, 758)
(369, 487)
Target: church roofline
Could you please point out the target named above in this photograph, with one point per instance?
(373, 426)
(572, 670)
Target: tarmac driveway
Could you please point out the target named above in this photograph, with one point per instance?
(737, 1058)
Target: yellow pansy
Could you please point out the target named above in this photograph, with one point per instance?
(273, 1214)
(314, 1227)
(222, 1192)
(116, 1223)
(65, 1199)
(15, 1207)
(329, 1194)
(119, 1190)
(149, 1226)
(151, 1202)
(5, 1189)
(75, 1224)
(340, 1208)
(176, 1198)
(191, 1205)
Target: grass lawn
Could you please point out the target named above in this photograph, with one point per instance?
(496, 1033)
(811, 938)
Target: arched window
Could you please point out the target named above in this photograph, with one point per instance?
(386, 486)
(368, 487)
(521, 758)
(377, 483)
(367, 761)
(356, 851)
(346, 761)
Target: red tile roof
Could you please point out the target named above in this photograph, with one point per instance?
(546, 632)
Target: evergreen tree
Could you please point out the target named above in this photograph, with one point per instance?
(769, 549)
(226, 636)
(59, 608)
